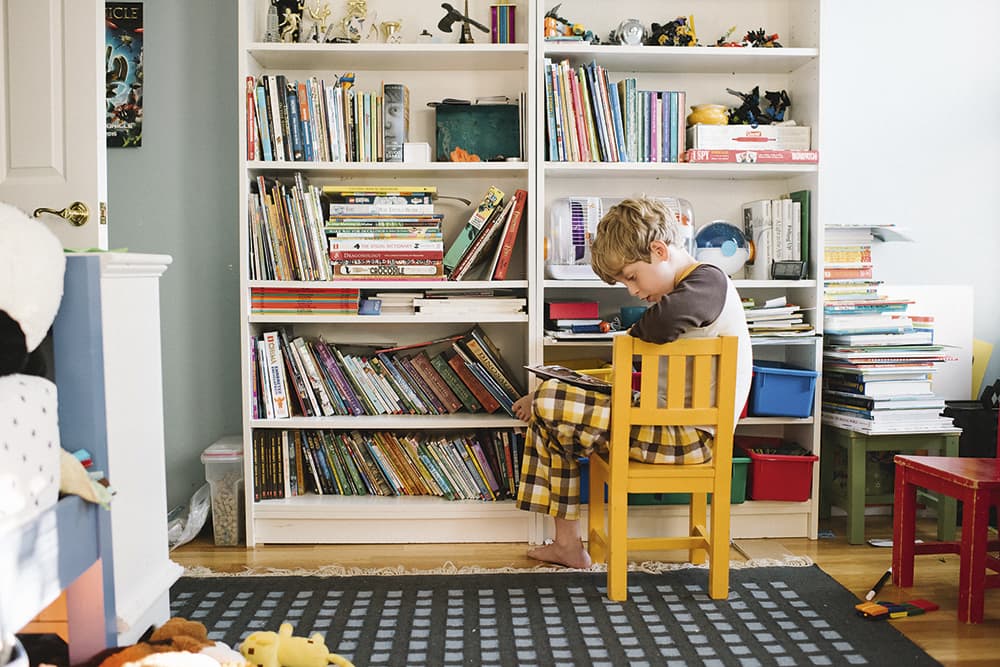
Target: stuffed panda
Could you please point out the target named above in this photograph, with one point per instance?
(32, 265)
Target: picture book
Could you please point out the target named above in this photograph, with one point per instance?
(569, 376)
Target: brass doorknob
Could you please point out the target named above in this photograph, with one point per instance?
(76, 214)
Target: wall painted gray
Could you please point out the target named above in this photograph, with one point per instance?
(177, 194)
(912, 145)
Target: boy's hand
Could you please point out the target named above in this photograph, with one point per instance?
(522, 407)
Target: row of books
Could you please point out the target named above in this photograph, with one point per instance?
(481, 465)
(778, 230)
(310, 377)
(286, 231)
(591, 119)
(315, 120)
(379, 232)
(878, 360)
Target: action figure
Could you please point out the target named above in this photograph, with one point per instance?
(747, 113)
(760, 38)
(679, 32)
(779, 103)
(551, 24)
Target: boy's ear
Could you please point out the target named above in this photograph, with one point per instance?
(659, 250)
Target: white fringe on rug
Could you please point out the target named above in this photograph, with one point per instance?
(652, 567)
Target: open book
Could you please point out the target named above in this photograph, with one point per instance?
(569, 376)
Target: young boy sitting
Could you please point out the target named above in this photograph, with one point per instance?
(638, 245)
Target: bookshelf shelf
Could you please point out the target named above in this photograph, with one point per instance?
(685, 60)
(390, 57)
(467, 317)
(397, 169)
(626, 170)
(386, 285)
(393, 422)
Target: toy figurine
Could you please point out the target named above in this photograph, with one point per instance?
(568, 31)
(679, 32)
(724, 40)
(748, 113)
(779, 103)
(759, 38)
(290, 24)
(319, 15)
(453, 15)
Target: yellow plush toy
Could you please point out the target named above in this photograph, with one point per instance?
(281, 649)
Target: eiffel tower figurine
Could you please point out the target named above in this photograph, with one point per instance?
(466, 37)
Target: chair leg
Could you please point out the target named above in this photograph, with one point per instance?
(718, 560)
(595, 517)
(617, 544)
(972, 568)
(698, 517)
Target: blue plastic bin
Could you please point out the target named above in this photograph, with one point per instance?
(781, 390)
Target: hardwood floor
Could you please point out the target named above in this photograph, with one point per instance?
(855, 567)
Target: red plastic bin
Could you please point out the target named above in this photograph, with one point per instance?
(780, 476)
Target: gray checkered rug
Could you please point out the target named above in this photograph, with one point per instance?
(774, 616)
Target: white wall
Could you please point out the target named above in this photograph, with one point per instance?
(911, 134)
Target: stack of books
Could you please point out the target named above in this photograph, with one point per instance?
(311, 300)
(878, 361)
(482, 302)
(574, 319)
(383, 233)
(776, 317)
(462, 466)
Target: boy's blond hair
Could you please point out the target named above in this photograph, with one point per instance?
(626, 232)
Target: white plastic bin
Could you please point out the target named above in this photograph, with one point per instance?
(224, 471)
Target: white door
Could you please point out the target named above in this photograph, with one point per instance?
(52, 141)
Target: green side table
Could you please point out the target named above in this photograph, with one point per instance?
(858, 445)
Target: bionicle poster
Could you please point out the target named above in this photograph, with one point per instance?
(123, 80)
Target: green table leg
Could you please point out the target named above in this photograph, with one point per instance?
(947, 507)
(856, 459)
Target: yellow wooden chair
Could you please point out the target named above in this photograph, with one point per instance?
(703, 359)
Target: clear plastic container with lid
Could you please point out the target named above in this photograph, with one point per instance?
(224, 472)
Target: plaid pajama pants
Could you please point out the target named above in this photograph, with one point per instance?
(569, 423)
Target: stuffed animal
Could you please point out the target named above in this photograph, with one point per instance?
(176, 642)
(31, 285)
(281, 649)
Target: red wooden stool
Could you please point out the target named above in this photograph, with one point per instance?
(974, 481)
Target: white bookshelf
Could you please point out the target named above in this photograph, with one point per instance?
(715, 191)
(436, 71)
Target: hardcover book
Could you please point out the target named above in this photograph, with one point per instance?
(490, 203)
(396, 119)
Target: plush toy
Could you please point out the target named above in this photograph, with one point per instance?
(31, 286)
(176, 642)
(281, 649)
(31, 283)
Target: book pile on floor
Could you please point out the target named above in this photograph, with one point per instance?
(383, 233)
(878, 360)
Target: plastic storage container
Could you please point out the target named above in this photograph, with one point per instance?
(781, 390)
(224, 471)
(781, 476)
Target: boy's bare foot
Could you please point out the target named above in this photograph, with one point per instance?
(574, 556)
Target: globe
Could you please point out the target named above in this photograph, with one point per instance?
(723, 245)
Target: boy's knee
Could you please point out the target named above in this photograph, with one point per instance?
(546, 399)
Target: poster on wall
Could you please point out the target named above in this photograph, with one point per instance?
(123, 80)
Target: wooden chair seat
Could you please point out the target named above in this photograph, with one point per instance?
(706, 398)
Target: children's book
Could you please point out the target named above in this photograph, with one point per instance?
(569, 376)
